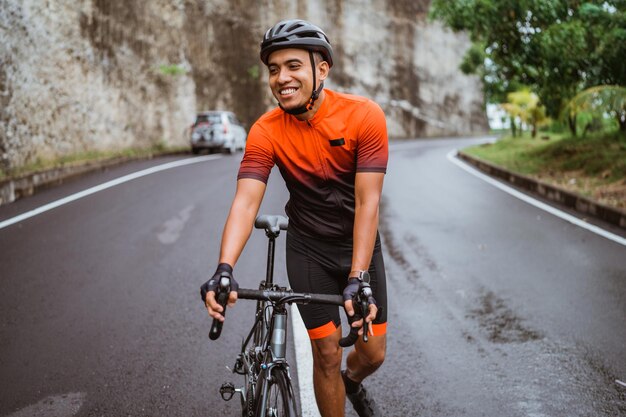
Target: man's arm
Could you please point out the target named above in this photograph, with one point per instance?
(368, 188)
(240, 221)
(236, 233)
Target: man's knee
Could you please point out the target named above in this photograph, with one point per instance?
(326, 354)
(327, 358)
(375, 359)
(372, 354)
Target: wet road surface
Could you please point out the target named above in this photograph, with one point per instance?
(101, 311)
(499, 309)
(496, 308)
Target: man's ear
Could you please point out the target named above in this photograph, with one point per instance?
(323, 69)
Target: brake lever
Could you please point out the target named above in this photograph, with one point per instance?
(365, 310)
(361, 310)
(365, 292)
(223, 291)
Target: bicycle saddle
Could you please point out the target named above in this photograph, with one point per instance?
(271, 223)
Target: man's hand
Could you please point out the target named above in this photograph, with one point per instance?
(209, 288)
(349, 293)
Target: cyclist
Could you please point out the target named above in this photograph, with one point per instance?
(331, 149)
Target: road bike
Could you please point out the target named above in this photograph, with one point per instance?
(267, 390)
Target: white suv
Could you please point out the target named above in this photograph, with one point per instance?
(217, 130)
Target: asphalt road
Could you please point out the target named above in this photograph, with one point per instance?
(496, 308)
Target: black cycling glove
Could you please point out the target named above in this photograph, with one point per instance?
(352, 289)
(353, 292)
(212, 284)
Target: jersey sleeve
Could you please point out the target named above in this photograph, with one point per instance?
(258, 159)
(372, 147)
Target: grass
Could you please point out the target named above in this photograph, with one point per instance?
(87, 157)
(172, 70)
(594, 166)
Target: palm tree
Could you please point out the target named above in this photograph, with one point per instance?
(526, 106)
(602, 101)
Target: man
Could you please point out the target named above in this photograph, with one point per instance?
(331, 150)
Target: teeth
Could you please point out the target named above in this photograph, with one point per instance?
(287, 91)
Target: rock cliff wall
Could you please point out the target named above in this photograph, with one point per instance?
(78, 76)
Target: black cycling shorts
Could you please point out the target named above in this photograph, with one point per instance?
(320, 266)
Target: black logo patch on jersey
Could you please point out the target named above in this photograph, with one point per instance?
(337, 142)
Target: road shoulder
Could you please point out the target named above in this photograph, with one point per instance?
(567, 198)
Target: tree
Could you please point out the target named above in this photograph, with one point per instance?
(514, 112)
(525, 105)
(601, 101)
(556, 47)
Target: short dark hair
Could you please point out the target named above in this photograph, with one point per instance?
(317, 57)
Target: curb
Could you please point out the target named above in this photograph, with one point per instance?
(15, 188)
(569, 199)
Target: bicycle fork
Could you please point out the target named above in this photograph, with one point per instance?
(275, 357)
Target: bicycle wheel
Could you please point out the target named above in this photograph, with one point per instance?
(248, 409)
(276, 397)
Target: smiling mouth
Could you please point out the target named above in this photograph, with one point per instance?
(287, 91)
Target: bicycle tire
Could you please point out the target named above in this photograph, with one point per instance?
(257, 341)
(248, 410)
(280, 401)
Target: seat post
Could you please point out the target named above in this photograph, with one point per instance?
(269, 275)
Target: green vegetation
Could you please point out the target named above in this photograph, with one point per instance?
(172, 70)
(254, 72)
(524, 106)
(594, 155)
(556, 48)
(552, 65)
(596, 104)
(90, 156)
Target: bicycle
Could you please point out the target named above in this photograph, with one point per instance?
(267, 389)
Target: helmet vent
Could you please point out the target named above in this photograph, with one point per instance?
(294, 27)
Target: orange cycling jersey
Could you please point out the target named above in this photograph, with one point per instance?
(319, 159)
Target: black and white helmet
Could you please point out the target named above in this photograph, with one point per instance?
(296, 33)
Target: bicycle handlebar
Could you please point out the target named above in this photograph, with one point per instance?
(288, 296)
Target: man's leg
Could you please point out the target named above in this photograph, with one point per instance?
(329, 389)
(366, 358)
(362, 362)
(327, 381)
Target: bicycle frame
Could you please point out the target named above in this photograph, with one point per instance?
(275, 352)
(269, 334)
(262, 359)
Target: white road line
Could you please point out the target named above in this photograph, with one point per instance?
(304, 362)
(565, 216)
(104, 186)
(62, 405)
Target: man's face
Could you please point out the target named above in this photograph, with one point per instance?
(290, 77)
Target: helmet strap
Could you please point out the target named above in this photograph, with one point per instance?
(315, 94)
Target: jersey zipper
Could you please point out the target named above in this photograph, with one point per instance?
(325, 170)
